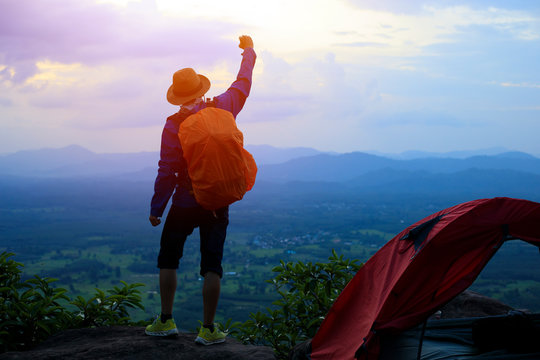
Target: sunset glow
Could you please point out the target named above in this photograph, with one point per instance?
(345, 75)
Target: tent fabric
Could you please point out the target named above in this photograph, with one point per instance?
(458, 338)
(420, 269)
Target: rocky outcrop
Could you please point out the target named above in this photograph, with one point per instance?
(124, 342)
(471, 304)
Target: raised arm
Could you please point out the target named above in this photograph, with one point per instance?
(245, 42)
(234, 98)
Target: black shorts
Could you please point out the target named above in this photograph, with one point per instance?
(180, 224)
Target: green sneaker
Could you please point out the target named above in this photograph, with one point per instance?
(209, 338)
(157, 328)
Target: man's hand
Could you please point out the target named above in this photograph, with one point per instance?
(245, 42)
(155, 221)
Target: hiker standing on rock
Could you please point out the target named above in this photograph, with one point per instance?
(187, 90)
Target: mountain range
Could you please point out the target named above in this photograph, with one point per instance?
(344, 167)
(275, 164)
(303, 170)
(76, 161)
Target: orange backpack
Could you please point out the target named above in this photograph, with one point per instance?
(220, 169)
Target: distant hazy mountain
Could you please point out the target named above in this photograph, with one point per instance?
(31, 162)
(73, 161)
(345, 167)
(389, 183)
(326, 167)
(76, 161)
(275, 164)
(463, 154)
(266, 154)
(484, 182)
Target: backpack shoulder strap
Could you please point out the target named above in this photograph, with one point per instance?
(210, 102)
(180, 116)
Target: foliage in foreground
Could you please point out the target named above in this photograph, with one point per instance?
(307, 292)
(31, 310)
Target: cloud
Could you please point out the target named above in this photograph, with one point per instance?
(89, 33)
(5, 102)
(314, 88)
(316, 102)
(92, 65)
(517, 23)
(339, 76)
(520, 85)
(424, 24)
(394, 6)
(424, 118)
(411, 7)
(363, 44)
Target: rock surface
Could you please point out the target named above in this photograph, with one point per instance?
(471, 304)
(124, 342)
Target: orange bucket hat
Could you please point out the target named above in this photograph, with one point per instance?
(187, 85)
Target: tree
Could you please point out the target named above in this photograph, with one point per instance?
(307, 292)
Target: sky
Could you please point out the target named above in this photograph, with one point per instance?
(335, 75)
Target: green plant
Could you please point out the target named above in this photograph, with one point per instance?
(307, 292)
(10, 272)
(30, 310)
(108, 309)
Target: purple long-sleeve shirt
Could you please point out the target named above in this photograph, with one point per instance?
(172, 173)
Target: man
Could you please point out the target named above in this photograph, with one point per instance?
(187, 90)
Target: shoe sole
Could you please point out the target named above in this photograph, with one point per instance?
(200, 340)
(165, 333)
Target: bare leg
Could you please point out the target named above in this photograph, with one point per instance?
(211, 289)
(167, 289)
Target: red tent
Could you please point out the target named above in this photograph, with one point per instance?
(418, 271)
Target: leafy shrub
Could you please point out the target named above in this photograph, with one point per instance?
(104, 310)
(307, 292)
(30, 310)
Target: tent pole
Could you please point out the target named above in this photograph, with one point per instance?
(419, 355)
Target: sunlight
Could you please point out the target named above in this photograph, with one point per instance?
(300, 28)
(303, 25)
(117, 2)
(8, 69)
(386, 68)
(55, 73)
(220, 78)
(318, 26)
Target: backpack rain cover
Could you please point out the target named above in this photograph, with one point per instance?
(220, 169)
